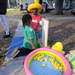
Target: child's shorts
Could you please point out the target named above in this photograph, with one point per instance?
(38, 35)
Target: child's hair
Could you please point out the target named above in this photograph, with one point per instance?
(26, 19)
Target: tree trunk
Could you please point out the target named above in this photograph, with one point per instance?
(58, 7)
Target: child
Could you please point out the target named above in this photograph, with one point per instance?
(29, 43)
(35, 8)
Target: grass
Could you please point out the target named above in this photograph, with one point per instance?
(16, 13)
(13, 10)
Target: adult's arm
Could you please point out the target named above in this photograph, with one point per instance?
(40, 22)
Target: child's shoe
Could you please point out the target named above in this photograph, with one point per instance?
(15, 52)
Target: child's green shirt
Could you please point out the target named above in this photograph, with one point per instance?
(29, 34)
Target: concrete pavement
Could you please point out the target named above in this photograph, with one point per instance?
(14, 19)
(60, 18)
(14, 67)
(48, 18)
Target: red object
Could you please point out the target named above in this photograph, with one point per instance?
(35, 21)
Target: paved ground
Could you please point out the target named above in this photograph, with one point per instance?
(60, 18)
(49, 18)
(15, 66)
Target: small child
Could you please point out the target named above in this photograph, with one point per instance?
(29, 43)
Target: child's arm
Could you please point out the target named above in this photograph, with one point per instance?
(40, 22)
(31, 41)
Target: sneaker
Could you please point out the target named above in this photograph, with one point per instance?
(5, 32)
(1, 56)
(6, 36)
(15, 52)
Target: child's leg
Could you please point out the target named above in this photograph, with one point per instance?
(24, 51)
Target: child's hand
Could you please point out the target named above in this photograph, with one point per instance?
(33, 47)
(31, 41)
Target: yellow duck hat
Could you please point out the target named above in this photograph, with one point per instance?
(35, 5)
